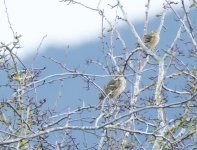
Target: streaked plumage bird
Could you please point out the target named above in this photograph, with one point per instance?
(114, 88)
(151, 39)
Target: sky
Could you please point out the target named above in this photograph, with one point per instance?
(62, 24)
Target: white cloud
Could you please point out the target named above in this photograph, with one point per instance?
(63, 24)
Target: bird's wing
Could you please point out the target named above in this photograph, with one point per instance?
(147, 38)
(112, 85)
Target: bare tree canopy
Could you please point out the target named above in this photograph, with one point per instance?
(143, 88)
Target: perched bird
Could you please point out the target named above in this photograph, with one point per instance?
(114, 88)
(151, 39)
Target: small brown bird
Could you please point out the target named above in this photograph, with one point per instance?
(151, 39)
(114, 88)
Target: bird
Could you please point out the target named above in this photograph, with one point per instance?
(151, 39)
(114, 87)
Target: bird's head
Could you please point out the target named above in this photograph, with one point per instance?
(154, 32)
(121, 70)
